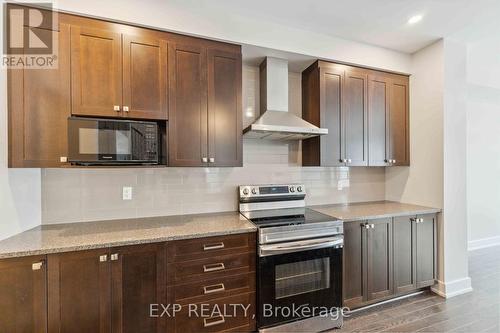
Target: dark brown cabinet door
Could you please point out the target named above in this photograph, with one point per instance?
(354, 264)
(96, 72)
(426, 252)
(39, 105)
(378, 116)
(355, 109)
(404, 254)
(188, 118)
(144, 77)
(224, 109)
(379, 258)
(23, 297)
(398, 134)
(79, 292)
(331, 97)
(138, 280)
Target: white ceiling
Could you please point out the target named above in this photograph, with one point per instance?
(377, 22)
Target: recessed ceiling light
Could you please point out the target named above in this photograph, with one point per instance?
(415, 19)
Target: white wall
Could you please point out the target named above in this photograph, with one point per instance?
(422, 182)
(20, 203)
(437, 175)
(483, 144)
(206, 18)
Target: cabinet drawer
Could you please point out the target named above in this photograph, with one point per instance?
(222, 314)
(208, 247)
(210, 268)
(211, 289)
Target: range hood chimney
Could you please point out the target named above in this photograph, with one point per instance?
(275, 122)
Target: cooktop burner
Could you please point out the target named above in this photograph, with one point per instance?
(285, 217)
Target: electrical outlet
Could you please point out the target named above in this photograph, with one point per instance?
(127, 193)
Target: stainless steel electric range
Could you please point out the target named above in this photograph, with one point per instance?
(299, 260)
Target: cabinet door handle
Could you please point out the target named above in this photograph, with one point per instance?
(103, 258)
(125, 108)
(208, 247)
(206, 322)
(213, 267)
(116, 108)
(36, 266)
(212, 160)
(372, 226)
(63, 159)
(114, 256)
(204, 159)
(393, 161)
(366, 226)
(349, 160)
(214, 288)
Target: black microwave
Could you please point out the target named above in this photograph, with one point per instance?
(93, 141)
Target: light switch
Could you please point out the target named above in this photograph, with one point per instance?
(127, 193)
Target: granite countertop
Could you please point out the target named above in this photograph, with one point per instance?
(373, 210)
(56, 238)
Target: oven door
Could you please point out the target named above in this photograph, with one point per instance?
(298, 284)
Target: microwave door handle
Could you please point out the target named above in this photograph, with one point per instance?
(302, 246)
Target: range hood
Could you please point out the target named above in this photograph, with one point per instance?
(276, 123)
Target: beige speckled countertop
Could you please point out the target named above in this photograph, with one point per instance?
(373, 210)
(56, 238)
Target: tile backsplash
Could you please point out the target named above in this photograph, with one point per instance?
(74, 195)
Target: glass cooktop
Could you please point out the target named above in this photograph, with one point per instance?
(286, 216)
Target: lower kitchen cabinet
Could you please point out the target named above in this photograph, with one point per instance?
(426, 241)
(379, 258)
(389, 257)
(23, 298)
(106, 290)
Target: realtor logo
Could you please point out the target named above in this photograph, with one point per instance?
(30, 35)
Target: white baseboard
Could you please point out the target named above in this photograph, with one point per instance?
(483, 243)
(452, 288)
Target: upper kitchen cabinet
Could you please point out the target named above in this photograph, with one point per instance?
(388, 119)
(366, 113)
(188, 118)
(39, 105)
(205, 106)
(117, 75)
(144, 77)
(96, 72)
(399, 136)
(224, 108)
(335, 97)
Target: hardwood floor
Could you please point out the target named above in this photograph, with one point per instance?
(478, 311)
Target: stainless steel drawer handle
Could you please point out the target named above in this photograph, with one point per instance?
(206, 322)
(213, 267)
(208, 247)
(214, 288)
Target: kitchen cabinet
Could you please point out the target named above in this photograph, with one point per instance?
(404, 254)
(224, 108)
(379, 258)
(366, 113)
(389, 257)
(214, 272)
(426, 243)
(115, 70)
(355, 114)
(117, 75)
(399, 147)
(205, 107)
(106, 290)
(39, 105)
(23, 306)
(354, 264)
(188, 118)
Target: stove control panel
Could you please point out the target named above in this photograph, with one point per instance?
(249, 191)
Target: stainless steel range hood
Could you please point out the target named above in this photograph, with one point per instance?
(276, 123)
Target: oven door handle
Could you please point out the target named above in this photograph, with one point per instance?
(268, 250)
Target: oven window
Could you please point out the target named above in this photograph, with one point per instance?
(302, 277)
